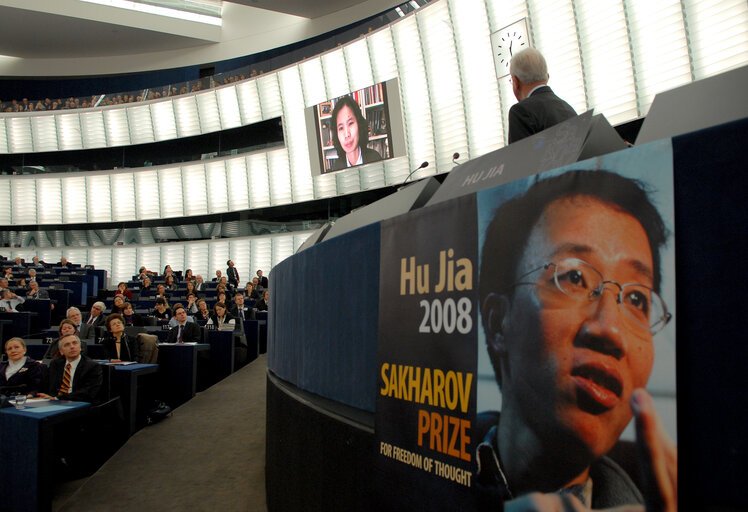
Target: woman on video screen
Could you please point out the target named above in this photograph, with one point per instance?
(350, 135)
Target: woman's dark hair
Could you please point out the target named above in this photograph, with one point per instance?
(113, 316)
(221, 304)
(363, 127)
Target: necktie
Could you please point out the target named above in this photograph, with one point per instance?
(65, 387)
(90, 320)
(241, 314)
(179, 337)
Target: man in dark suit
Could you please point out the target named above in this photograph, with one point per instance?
(92, 320)
(35, 292)
(184, 331)
(73, 376)
(241, 311)
(538, 107)
(262, 279)
(232, 274)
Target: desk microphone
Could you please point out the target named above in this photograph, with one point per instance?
(455, 157)
(422, 166)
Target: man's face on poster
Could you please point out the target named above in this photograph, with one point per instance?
(570, 366)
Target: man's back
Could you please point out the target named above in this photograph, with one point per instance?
(541, 110)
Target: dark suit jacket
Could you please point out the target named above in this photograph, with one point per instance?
(369, 155)
(541, 110)
(191, 333)
(26, 380)
(261, 305)
(40, 294)
(128, 350)
(233, 276)
(249, 313)
(98, 321)
(86, 381)
(263, 281)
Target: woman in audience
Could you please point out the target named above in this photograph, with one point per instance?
(19, 374)
(66, 328)
(190, 288)
(146, 287)
(169, 272)
(222, 297)
(221, 318)
(122, 290)
(170, 283)
(119, 304)
(161, 292)
(251, 292)
(162, 311)
(118, 346)
(203, 313)
(131, 318)
(188, 275)
(262, 304)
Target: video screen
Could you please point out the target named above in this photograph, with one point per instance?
(354, 129)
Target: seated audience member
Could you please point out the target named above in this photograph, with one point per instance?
(174, 321)
(199, 284)
(132, 319)
(218, 276)
(188, 275)
(190, 288)
(257, 286)
(221, 318)
(95, 317)
(66, 328)
(162, 311)
(251, 292)
(8, 273)
(19, 374)
(220, 289)
(3, 285)
(147, 287)
(168, 272)
(119, 304)
(241, 311)
(143, 273)
(185, 329)
(203, 313)
(36, 263)
(18, 262)
(73, 376)
(64, 263)
(124, 291)
(191, 305)
(10, 301)
(36, 293)
(33, 277)
(161, 292)
(262, 304)
(169, 283)
(21, 283)
(118, 346)
(222, 296)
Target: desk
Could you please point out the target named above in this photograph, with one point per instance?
(27, 453)
(125, 382)
(221, 353)
(178, 371)
(252, 332)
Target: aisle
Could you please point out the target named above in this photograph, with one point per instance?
(208, 456)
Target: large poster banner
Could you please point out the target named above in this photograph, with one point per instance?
(519, 328)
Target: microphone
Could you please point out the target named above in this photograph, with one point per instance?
(422, 166)
(455, 157)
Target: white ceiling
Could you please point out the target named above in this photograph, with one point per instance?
(51, 36)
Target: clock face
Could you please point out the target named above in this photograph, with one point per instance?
(507, 42)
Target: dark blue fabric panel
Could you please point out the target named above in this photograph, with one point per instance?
(711, 247)
(327, 298)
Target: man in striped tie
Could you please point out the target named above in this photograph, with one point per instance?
(74, 376)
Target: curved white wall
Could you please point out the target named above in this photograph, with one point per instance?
(612, 56)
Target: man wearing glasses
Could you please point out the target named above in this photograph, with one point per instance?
(570, 275)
